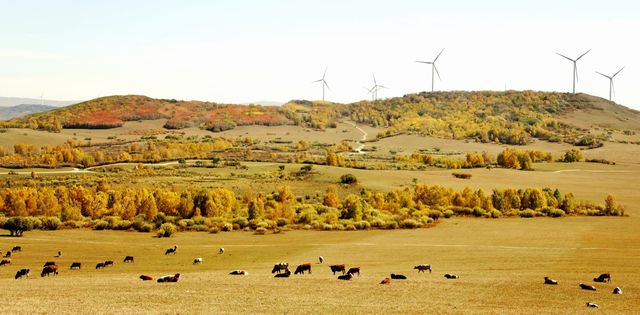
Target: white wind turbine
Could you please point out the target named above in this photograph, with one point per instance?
(374, 89)
(434, 69)
(324, 82)
(611, 87)
(575, 67)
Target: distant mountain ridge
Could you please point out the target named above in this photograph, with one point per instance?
(23, 110)
(15, 101)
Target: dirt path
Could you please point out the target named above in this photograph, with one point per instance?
(358, 149)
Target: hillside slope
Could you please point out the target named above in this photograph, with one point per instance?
(22, 110)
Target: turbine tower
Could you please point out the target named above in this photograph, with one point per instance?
(434, 69)
(575, 67)
(374, 89)
(611, 88)
(324, 83)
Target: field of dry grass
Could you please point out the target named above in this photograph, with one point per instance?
(501, 264)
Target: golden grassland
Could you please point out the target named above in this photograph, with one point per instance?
(501, 264)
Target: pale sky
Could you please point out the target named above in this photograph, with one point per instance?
(242, 51)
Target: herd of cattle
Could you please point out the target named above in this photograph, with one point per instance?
(280, 270)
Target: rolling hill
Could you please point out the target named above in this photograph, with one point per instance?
(22, 110)
(511, 117)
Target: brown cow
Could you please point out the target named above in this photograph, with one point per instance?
(22, 273)
(16, 249)
(49, 263)
(5, 262)
(279, 267)
(239, 273)
(302, 268)
(354, 270)
(605, 277)
(48, 270)
(451, 276)
(286, 274)
(345, 277)
(547, 280)
(169, 278)
(108, 263)
(145, 278)
(336, 268)
(398, 277)
(587, 287)
(386, 281)
(128, 259)
(75, 265)
(100, 265)
(8, 254)
(423, 267)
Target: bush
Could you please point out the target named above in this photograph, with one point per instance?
(410, 224)
(350, 227)
(260, 231)
(214, 230)
(478, 212)
(227, 227)
(167, 229)
(18, 225)
(391, 225)
(435, 214)
(123, 225)
(73, 224)
(448, 213)
(348, 179)
(50, 223)
(146, 227)
(282, 222)
(528, 213)
(242, 222)
(495, 214)
(100, 225)
(200, 227)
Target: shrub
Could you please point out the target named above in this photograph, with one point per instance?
(260, 231)
(200, 227)
(348, 179)
(227, 227)
(214, 230)
(350, 227)
(495, 213)
(100, 225)
(528, 213)
(410, 224)
(123, 225)
(573, 155)
(461, 175)
(478, 212)
(448, 213)
(241, 222)
(282, 222)
(391, 225)
(18, 225)
(435, 214)
(167, 229)
(51, 223)
(146, 227)
(73, 224)
(556, 213)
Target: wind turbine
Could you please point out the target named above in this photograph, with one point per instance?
(324, 83)
(611, 88)
(575, 67)
(434, 69)
(374, 89)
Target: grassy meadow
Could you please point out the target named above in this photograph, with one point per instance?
(501, 264)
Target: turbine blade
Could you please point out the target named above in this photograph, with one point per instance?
(604, 75)
(438, 56)
(374, 79)
(617, 72)
(575, 68)
(427, 62)
(316, 81)
(325, 72)
(382, 87)
(438, 73)
(561, 55)
(583, 54)
(326, 84)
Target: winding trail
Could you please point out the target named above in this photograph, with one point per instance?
(358, 150)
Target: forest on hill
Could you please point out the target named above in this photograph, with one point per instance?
(511, 117)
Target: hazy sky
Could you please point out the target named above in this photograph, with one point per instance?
(241, 51)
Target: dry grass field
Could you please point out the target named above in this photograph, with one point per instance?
(501, 264)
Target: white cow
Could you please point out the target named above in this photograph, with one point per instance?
(197, 261)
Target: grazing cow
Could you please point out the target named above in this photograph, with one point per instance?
(336, 268)
(171, 250)
(239, 273)
(100, 265)
(617, 290)
(16, 249)
(279, 267)
(75, 265)
(321, 259)
(286, 274)
(549, 281)
(169, 278)
(48, 270)
(587, 287)
(386, 281)
(146, 278)
(302, 268)
(354, 270)
(128, 259)
(398, 277)
(22, 273)
(108, 263)
(345, 277)
(423, 267)
(49, 263)
(8, 254)
(605, 277)
(594, 305)
(197, 261)
(451, 276)
(59, 255)
(5, 262)
(221, 251)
